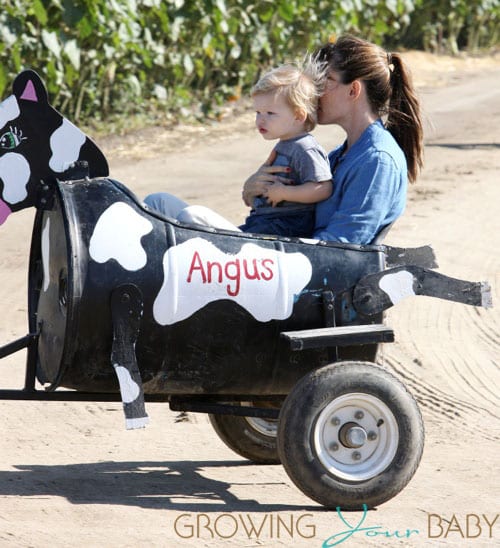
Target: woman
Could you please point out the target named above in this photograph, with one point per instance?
(371, 168)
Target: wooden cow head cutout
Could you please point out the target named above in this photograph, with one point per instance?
(37, 145)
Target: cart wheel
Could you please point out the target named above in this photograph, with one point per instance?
(251, 437)
(350, 434)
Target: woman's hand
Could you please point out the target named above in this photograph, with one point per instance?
(258, 183)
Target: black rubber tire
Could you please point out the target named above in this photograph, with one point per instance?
(240, 435)
(301, 419)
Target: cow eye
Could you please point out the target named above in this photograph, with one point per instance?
(11, 139)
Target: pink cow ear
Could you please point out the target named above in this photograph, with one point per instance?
(28, 87)
(4, 211)
(29, 93)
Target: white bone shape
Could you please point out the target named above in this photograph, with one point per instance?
(117, 235)
(65, 143)
(9, 110)
(15, 174)
(397, 285)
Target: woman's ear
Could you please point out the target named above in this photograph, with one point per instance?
(355, 89)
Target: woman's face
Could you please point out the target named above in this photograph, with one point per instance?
(332, 104)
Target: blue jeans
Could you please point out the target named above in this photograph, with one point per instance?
(298, 224)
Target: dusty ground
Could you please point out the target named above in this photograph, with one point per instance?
(70, 475)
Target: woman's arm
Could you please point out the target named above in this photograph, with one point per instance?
(267, 174)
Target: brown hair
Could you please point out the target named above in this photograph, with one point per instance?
(300, 86)
(389, 89)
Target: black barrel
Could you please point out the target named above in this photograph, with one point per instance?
(211, 315)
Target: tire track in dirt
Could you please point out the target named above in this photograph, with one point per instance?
(433, 373)
(454, 349)
(456, 373)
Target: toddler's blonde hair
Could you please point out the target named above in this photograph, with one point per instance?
(301, 86)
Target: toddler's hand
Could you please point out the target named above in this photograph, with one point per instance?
(256, 184)
(274, 193)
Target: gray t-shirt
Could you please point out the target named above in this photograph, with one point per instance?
(308, 162)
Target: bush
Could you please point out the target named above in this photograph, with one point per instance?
(103, 59)
(447, 26)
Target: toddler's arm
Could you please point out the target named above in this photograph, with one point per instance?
(306, 193)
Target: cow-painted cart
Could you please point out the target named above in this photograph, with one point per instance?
(275, 338)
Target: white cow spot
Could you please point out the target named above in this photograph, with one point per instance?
(46, 253)
(263, 281)
(117, 235)
(15, 173)
(129, 389)
(9, 110)
(397, 285)
(65, 143)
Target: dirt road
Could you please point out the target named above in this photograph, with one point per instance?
(71, 475)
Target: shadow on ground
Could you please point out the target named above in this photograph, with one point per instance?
(465, 146)
(177, 485)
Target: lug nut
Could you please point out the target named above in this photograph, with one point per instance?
(356, 455)
(334, 446)
(372, 435)
(335, 421)
(359, 415)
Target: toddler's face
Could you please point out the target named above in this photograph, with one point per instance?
(274, 118)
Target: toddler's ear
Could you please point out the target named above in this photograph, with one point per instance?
(300, 115)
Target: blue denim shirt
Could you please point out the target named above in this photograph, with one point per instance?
(369, 188)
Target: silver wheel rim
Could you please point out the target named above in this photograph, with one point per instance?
(356, 437)
(266, 427)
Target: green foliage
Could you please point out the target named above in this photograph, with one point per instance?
(106, 59)
(446, 26)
